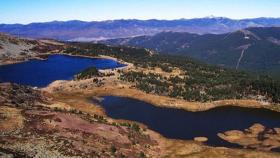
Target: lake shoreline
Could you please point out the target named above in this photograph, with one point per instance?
(221, 119)
(113, 88)
(10, 62)
(118, 88)
(53, 67)
(82, 100)
(46, 55)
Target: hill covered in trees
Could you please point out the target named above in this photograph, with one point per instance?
(252, 49)
(87, 73)
(197, 82)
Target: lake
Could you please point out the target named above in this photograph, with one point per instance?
(181, 124)
(40, 73)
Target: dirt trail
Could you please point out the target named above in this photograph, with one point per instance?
(245, 47)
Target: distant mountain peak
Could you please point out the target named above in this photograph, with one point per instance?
(124, 28)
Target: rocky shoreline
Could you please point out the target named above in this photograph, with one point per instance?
(255, 137)
(67, 128)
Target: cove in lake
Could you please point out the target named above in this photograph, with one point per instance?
(181, 124)
(40, 73)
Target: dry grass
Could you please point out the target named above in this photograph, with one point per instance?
(78, 101)
(159, 71)
(10, 119)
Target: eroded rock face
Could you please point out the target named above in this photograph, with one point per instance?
(257, 137)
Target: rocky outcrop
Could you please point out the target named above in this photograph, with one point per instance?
(255, 137)
(200, 139)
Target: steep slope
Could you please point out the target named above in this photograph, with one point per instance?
(87, 31)
(13, 49)
(253, 49)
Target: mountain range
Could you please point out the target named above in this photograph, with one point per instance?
(253, 49)
(99, 30)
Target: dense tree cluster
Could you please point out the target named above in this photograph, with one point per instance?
(189, 89)
(265, 86)
(87, 73)
(199, 82)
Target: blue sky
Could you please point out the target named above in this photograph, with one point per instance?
(27, 11)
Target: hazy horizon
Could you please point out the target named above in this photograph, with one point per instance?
(135, 19)
(25, 12)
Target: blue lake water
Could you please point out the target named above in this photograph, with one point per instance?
(181, 124)
(40, 73)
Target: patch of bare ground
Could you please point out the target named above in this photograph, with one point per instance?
(77, 101)
(255, 137)
(157, 70)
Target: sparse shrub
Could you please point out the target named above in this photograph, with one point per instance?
(135, 127)
(142, 155)
(113, 149)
